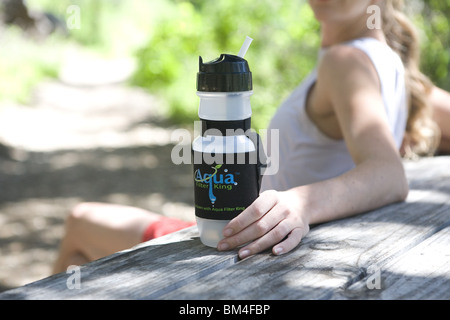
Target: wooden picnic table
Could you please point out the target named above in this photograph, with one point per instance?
(401, 251)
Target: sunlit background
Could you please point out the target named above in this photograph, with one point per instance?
(90, 91)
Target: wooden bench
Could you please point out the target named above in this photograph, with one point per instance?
(401, 251)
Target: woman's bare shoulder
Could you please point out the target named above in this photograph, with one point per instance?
(348, 65)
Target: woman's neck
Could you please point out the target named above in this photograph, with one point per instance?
(334, 33)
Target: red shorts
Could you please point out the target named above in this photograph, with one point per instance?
(164, 226)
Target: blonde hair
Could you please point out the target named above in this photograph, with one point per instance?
(422, 134)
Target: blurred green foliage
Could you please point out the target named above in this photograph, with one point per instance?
(167, 36)
(433, 21)
(23, 65)
(111, 27)
(108, 28)
(284, 50)
(285, 45)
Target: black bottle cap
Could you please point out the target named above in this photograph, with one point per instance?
(228, 73)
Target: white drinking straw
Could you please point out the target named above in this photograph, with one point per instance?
(245, 47)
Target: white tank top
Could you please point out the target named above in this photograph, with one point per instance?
(306, 155)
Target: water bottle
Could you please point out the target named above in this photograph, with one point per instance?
(227, 165)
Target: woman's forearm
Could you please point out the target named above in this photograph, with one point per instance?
(281, 219)
(370, 185)
(440, 100)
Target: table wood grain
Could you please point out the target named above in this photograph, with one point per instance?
(400, 251)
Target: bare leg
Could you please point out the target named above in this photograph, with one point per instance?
(95, 230)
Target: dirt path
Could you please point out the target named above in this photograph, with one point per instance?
(83, 142)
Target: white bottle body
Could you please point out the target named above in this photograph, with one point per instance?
(220, 106)
(225, 106)
(211, 229)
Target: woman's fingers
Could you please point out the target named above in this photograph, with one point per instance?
(266, 201)
(274, 236)
(291, 241)
(275, 220)
(256, 230)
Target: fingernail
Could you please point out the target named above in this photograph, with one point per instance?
(244, 254)
(278, 250)
(227, 232)
(223, 246)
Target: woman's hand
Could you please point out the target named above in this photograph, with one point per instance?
(267, 222)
